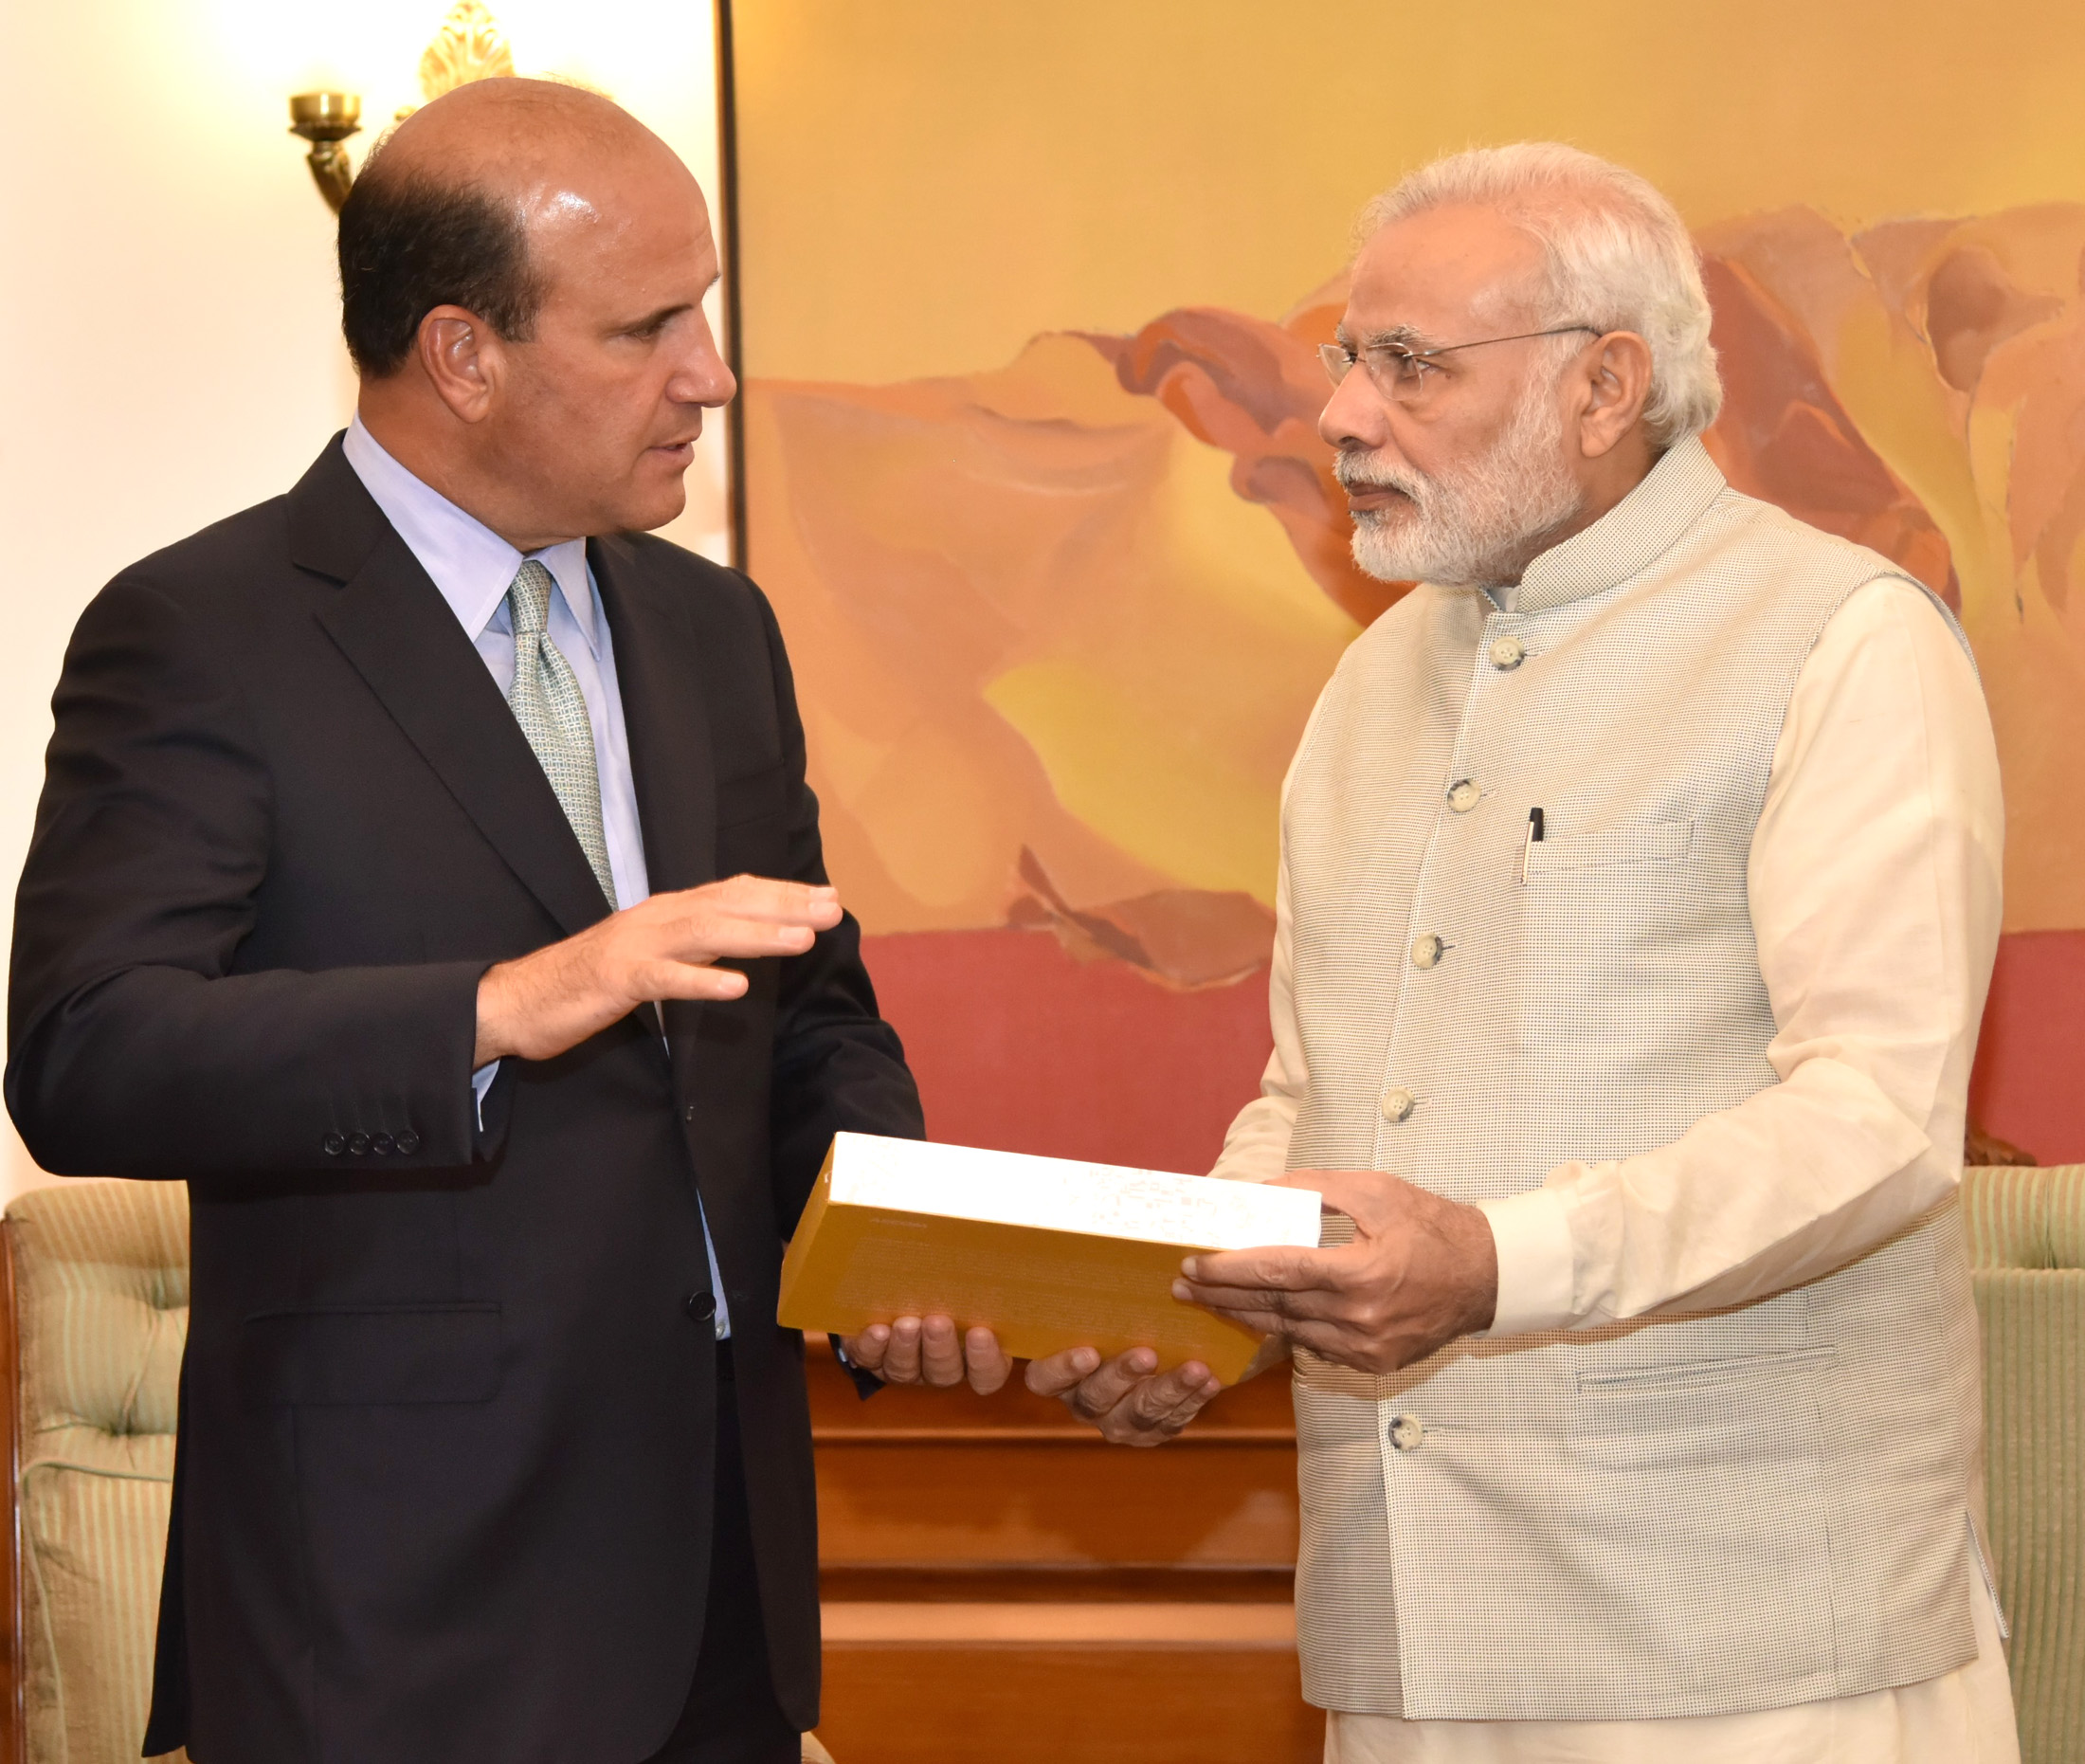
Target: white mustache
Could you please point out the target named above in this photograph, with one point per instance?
(1356, 473)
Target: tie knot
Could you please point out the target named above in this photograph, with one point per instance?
(530, 597)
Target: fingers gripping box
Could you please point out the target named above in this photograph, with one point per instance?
(1049, 1253)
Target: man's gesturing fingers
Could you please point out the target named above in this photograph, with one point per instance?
(748, 916)
(665, 947)
(673, 941)
(815, 904)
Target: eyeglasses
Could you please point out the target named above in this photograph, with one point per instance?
(1403, 374)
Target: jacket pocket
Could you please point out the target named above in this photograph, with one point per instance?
(1680, 1376)
(1706, 1491)
(753, 798)
(752, 828)
(1616, 928)
(371, 1354)
(1655, 842)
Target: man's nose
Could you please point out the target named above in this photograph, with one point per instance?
(704, 377)
(1353, 416)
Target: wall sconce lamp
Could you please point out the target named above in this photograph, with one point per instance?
(325, 120)
(470, 46)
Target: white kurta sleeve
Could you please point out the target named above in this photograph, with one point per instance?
(1875, 892)
(1257, 1147)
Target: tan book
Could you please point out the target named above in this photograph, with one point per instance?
(1049, 1253)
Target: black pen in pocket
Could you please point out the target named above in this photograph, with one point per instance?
(1527, 850)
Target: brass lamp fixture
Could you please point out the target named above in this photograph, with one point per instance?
(470, 46)
(325, 120)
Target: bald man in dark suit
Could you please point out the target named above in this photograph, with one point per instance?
(426, 872)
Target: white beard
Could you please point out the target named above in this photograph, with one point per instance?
(1483, 525)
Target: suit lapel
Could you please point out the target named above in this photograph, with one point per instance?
(659, 669)
(392, 623)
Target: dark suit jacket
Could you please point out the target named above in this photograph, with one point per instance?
(444, 1466)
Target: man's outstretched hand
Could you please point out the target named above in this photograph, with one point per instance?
(1420, 1272)
(666, 947)
(1127, 1398)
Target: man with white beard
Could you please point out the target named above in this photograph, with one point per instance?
(1638, 894)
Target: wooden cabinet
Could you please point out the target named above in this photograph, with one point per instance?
(1000, 1585)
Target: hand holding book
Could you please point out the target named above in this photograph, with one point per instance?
(1127, 1398)
(932, 1351)
(941, 1264)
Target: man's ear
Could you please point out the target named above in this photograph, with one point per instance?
(1618, 374)
(460, 355)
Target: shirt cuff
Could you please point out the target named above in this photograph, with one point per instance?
(480, 1082)
(1533, 1235)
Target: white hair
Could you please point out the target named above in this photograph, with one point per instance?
(1619, 256)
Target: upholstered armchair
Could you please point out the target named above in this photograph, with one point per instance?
(2027, 1242)
(98, 1274)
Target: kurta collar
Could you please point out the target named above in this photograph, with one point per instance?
(1628, 538)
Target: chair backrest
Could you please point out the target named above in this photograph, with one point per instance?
(99, 1276)
(2027, 1243)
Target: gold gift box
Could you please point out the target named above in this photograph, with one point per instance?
(1048, 1253)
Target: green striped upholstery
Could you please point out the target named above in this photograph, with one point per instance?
(101, 1295)
(2027, 1241)
(2025, 1218)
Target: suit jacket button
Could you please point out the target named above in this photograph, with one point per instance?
(359, 1144)
(702, 1306)
(383, 1144)
(332, 1145)
(409, 1142)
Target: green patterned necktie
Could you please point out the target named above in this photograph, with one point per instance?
(548, 704)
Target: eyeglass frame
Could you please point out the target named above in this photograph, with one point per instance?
(1339, 360)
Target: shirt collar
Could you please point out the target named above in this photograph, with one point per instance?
(470, 564)
(1628, 538)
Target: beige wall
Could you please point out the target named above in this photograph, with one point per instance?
(169, 350)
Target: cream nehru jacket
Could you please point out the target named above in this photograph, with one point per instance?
(1715, 1506)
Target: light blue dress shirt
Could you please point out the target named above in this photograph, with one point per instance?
(472, 566)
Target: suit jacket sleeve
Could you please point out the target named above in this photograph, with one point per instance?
(839, 1067)
(137, 1047)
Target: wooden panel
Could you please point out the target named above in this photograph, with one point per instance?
(1002, 1585)
(1150, 1623)
(1029, 1503)
(1029, 1685)
(1113, 1583)
(946, 1477)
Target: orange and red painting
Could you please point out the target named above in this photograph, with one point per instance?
(1059, 614)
